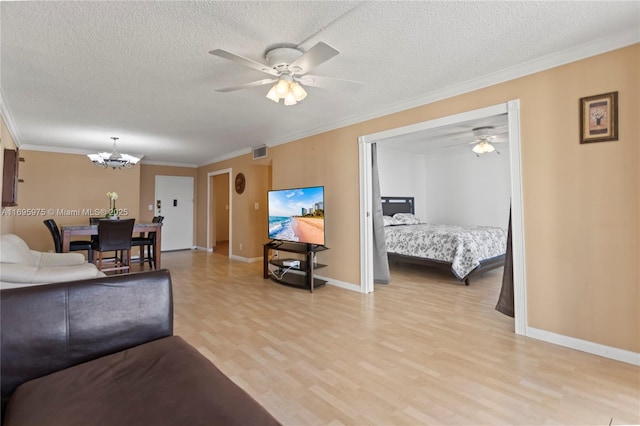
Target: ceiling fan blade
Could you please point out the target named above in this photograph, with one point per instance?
(244, 61)
(313, 57)
(330, 83)
(246, 85)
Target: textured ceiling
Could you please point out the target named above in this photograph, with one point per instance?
(73, 74)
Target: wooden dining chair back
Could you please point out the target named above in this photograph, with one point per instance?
(94, 221)
(114, 236)
(82, 245)
(147, 244)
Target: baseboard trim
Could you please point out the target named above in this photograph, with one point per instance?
(245, 259)
(617, 354)
(337, 283)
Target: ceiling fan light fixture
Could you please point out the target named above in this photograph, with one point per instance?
(282, 88)
(483, 148)
(288, 89)
(273, 94)
(297, 91)
(290, 99)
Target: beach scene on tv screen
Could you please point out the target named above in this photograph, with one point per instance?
(297, 215)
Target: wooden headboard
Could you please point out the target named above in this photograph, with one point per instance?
(393, 205)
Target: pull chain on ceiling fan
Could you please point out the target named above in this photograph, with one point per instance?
(289, 66)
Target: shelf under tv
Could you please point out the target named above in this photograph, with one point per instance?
(300, 276)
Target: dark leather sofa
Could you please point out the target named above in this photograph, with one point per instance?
(102, 352)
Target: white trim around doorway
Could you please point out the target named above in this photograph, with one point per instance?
(512, 108)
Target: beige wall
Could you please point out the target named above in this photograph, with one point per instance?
(581, 202)
(67, 187)
(249, 225)
(62, 183)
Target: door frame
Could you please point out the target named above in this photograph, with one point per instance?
(210, 175)
(512, 108)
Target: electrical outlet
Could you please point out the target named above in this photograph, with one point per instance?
(240, 246)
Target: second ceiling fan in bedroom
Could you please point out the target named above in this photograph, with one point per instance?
(288, 66)
(485, 137)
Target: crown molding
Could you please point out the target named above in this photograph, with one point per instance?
(234, 154)
(9, 121)
(61, 150)
(168, 163)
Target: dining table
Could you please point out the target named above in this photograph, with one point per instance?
(68, 231)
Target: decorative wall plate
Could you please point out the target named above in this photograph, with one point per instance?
(240, 183)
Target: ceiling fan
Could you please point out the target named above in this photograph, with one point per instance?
(485, 137)
(288, 66)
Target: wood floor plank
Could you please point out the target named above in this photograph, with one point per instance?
(423, 350)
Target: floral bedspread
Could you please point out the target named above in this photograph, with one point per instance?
(463, 246)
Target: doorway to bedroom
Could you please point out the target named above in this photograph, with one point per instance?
(219, 216)
(488, 185)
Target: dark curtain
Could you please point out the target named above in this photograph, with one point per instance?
(381, 273)
(505, 301)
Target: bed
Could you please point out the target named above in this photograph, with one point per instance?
(466, 251)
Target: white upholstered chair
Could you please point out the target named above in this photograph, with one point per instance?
(21, 266)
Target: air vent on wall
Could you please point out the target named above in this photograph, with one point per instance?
(259, 152)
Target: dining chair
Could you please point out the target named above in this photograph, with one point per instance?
(94, 221)
(81, 245)
(114, 236)
(147, 244)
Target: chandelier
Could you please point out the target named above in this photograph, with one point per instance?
(288, 89)
(114, 159)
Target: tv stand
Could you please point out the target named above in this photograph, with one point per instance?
(284, 266)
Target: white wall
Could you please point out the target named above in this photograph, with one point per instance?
(403, 174)
(469, 190)
(454, 188)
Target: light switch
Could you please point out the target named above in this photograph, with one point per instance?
(150, 207)
(256, 206)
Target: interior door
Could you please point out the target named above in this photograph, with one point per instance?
(174, 201)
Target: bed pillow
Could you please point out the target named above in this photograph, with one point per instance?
(406, 219)
(389, 221)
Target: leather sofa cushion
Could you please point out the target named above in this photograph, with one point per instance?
(164, 382)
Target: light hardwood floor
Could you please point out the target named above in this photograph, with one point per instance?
(423, 350)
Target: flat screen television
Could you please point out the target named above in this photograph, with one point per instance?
(297, 215)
